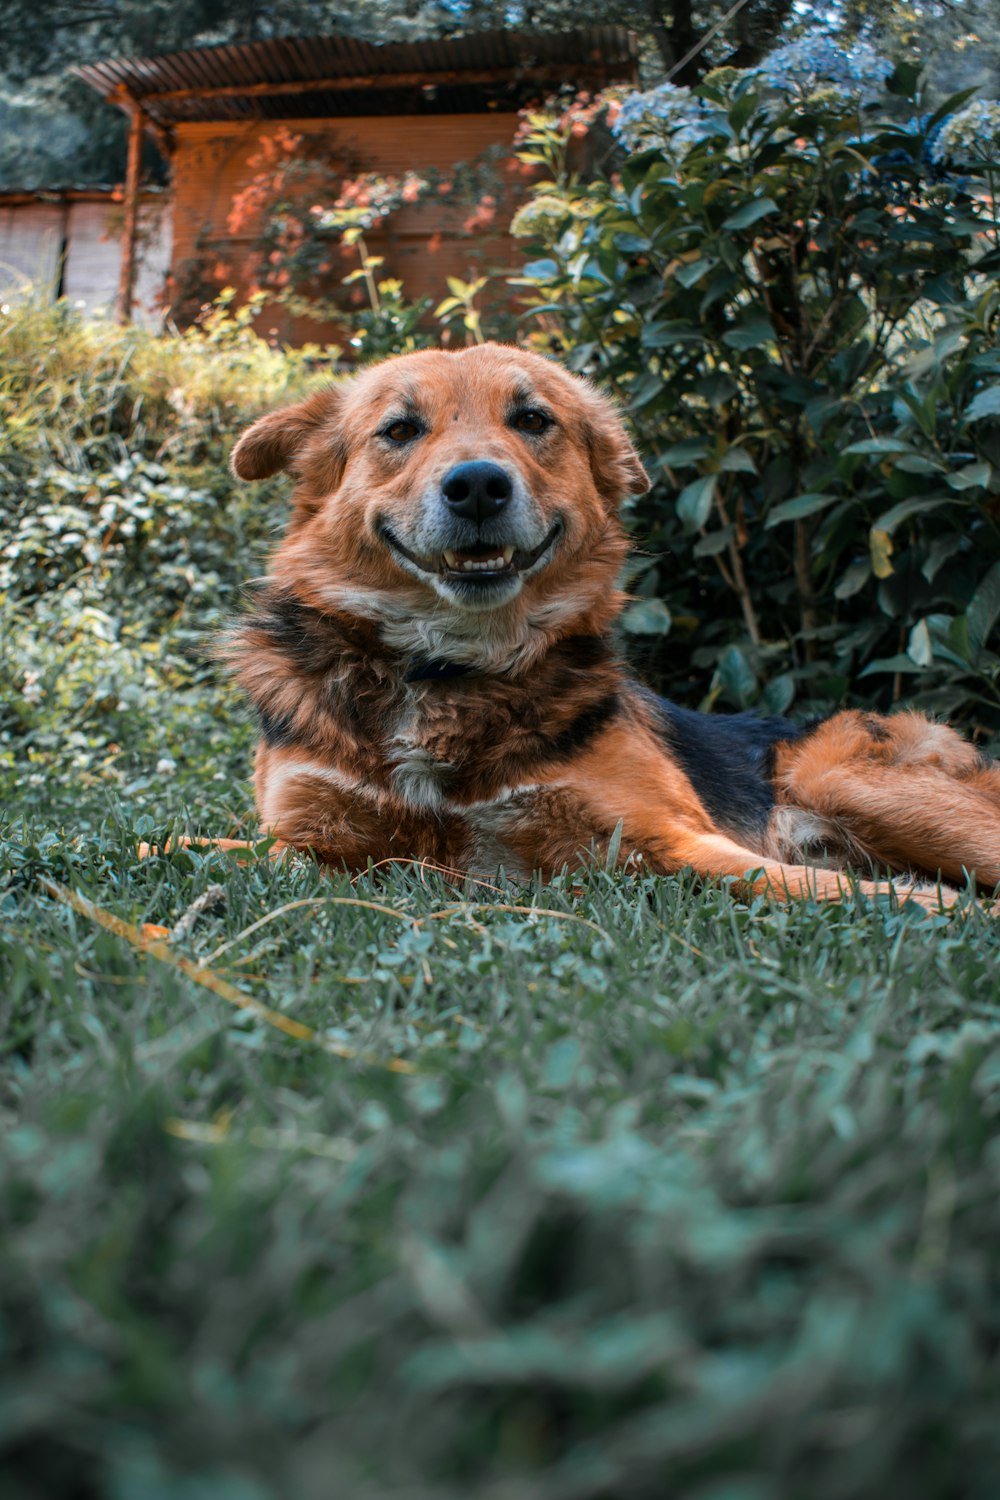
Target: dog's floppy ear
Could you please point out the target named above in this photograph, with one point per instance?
(275, 440)
(616, 466)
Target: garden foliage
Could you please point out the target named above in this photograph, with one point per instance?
(125, 542)
(791, 284)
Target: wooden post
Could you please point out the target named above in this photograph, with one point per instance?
(126, 285)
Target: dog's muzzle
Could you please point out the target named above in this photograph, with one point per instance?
(478, 535)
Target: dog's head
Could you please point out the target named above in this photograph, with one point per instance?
(478, 478)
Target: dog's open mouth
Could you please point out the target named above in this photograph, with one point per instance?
(482, 563)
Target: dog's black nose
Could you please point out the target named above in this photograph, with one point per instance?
(477, 490)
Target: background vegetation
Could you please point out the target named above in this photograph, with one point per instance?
(791, 283)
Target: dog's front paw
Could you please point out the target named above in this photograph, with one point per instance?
(930, 896)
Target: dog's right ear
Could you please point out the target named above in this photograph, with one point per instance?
(275, 441)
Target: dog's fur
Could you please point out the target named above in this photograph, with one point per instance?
(409, 712)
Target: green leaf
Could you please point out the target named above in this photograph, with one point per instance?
(856, 575)
(714, 542)
(950, 105)
(540, 270)
(797, 507)
(737, 677)
(742, 110)
(881, 445)
(919, 646)
(938, 554)
(904, 80)
(778, 694)
(890, 664)
(694, 503)
(646, 617)
(687, 451)
(982, 613)
(972, 477)
(757, 208)
(958, 638)
(917, 463)
(560, 1063)
(986, 404)
(751, 333)
(737, 460)
(694, 271)
(915, 506)
(630, 244)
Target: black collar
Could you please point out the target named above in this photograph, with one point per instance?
(425, 669)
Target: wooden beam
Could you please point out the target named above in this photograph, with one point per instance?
(162, 134)
(126, 285)
(371, 81)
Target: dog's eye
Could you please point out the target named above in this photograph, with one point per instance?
(401, 431)
(530, 419)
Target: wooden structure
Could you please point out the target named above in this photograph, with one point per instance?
(404, 106)
(67, 242)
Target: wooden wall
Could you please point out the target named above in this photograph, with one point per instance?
(422, 244)
(34, 232)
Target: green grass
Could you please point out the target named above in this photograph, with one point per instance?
(679, 1197)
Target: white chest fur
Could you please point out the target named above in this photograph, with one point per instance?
(418, 776)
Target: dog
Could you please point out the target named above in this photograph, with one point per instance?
(433, 669)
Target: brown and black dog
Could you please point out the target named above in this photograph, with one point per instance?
(431, 663)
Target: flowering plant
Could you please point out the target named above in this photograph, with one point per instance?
(971, 134)
(818, 68)
(310, 207)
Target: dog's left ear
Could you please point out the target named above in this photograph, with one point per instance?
(616, 466)
(277, 440)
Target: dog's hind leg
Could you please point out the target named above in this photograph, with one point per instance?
(912, 794)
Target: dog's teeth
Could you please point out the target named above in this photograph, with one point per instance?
(477, 565)
(508, 554)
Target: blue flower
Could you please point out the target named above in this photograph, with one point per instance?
(817, 64)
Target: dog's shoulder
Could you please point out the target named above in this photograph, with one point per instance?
(728, 758)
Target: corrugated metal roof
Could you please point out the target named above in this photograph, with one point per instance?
(340, 75)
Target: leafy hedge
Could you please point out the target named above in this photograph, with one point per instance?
(791, 283)
(124, 543)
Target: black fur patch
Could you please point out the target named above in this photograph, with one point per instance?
(430, 669)
(276, 729)
(879, 732)
(582, 653)
(295, 629)
(581, 730)
(728, 759)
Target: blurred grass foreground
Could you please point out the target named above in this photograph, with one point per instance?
(313, 1188)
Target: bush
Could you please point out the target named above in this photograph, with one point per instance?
(125, 543)
(791, 285)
